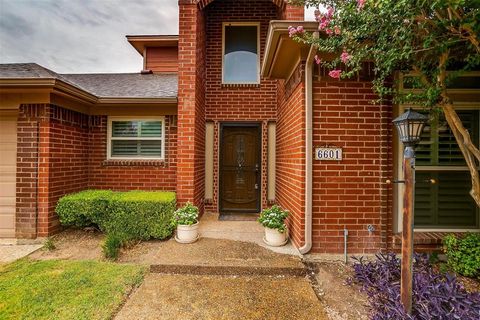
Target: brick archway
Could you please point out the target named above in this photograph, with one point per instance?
(203, 3)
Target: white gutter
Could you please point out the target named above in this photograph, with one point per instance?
(308, 148)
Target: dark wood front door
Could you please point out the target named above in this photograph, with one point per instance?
(240, 168)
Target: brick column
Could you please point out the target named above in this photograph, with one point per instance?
(27, 172)
(191, 104)
(44, 156)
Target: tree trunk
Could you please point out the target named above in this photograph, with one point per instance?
(470, 151)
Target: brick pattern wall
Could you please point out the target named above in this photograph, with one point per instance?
(191, 104)
(61, 151)
(351, 193)
(203, 3)
(27, 170)
(227, 103)
(199, 138)
(290, 163)
(123, 175)
(64, 165)
(294, 13)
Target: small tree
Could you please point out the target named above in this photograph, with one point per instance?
(433, 40)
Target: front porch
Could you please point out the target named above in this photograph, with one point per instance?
(244, 231)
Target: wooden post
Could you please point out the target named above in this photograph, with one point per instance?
(406, 281)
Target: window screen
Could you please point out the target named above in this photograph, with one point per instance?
(240, 61)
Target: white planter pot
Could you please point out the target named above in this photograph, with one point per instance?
(275, 238)
(187, 233)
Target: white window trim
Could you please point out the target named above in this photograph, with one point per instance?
(256, 24)
(399, 187)
(109, 137)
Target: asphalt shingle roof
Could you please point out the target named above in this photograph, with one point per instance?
(102, 85)
(25, 70)
(131, 85)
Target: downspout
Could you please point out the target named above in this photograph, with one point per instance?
(308, 148)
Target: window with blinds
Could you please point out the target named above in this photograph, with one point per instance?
(136, 139)
(446, 203)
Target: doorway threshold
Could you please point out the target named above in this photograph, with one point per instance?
(238, 216)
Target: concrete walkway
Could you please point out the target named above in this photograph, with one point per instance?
(213, 278)
(220, 279)
(214, 297)
(12, 252)
(247, 231)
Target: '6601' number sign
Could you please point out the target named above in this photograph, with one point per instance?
(328, 154)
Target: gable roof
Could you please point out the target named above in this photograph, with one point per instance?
(102, 85)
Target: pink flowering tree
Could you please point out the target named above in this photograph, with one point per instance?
(431, 43)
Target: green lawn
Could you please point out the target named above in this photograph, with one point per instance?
(59, 289)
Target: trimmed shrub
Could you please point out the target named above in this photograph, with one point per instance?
(141, 215)
(463, 254)
(84, 208)
(123, 216)
(435, 296)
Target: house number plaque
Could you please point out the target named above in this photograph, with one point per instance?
(328, 154)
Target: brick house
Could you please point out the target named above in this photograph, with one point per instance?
(228, 114)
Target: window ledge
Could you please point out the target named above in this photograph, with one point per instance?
(240, 85)
(134, 163)
(426, 238)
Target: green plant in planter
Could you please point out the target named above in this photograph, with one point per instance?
(274, 218)
(186, 215)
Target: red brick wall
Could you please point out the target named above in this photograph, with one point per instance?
(294, 13)
(123, 175)
(350, 193)
(64, 165)
(199, 138)
(254, 103)
(290, 157)
(27, 170)
(61, 151)
(191, 104)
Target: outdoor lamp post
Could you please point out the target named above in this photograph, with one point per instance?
(410, 126)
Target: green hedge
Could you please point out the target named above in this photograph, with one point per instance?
(123, 216)
(463, 254)
(84, 208)
(141, 215)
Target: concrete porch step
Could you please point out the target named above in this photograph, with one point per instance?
(228, 270)
(208, 252)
